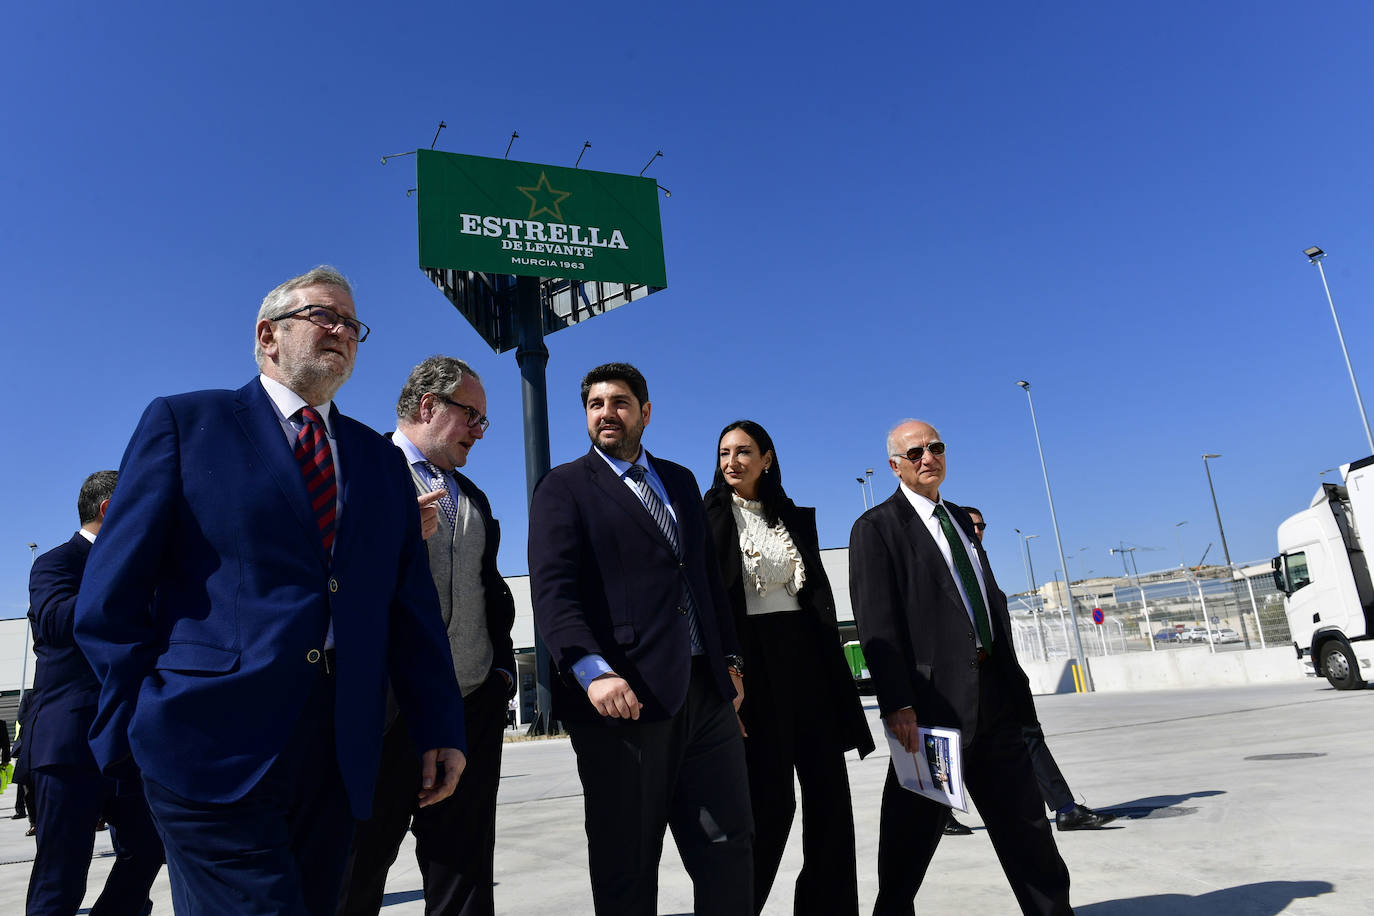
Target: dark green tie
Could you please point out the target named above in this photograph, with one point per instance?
(961, 563)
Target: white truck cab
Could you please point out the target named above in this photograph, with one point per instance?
(1323, 573)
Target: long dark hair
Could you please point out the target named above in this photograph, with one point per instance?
(771, 494)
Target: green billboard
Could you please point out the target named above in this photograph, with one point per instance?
(504, 217)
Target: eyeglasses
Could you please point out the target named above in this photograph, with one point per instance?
(980, 526)
(474, 417)
(915, 453)
(325, 317)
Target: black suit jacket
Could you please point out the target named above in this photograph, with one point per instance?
(818, 608)
(605, 580)
(65, 689)
(916, 633)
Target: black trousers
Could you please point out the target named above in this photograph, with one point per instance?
(1054, 788)
(687, 773)
(999, 778)
(279, 850)
(794, 728)
(69, 800)
(455, 840)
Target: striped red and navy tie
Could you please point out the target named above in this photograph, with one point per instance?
(317, 467)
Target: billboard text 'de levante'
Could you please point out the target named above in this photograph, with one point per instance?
(504, 217)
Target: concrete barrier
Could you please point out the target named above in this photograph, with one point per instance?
(1191, 666)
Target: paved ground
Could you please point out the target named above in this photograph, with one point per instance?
(1243, 801)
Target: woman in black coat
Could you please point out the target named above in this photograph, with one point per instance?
(801, 710)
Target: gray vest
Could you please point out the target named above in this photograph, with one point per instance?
(455, 561)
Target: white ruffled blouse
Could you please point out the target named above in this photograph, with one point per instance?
(771, 562)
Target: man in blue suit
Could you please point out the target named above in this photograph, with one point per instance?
(260, 575)
(629, 599)
(70, 794)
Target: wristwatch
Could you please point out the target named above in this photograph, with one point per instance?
(735, 665)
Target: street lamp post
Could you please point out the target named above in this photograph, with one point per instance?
(1182, 560)
(863, 494)
(1030, 577)
(868, 475)
(1058, 541)
(1226, 551)
(1315, 255)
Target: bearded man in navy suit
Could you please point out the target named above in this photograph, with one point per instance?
(260, 574)
(628, 596)
(70, 794)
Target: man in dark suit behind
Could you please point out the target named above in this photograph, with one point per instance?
(628, 597)
(70, 794)
(441, 413)
(261, 567)
(937, 637)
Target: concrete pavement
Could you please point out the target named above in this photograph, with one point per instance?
(1239, 801)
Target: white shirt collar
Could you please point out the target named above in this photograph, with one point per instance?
(924, 505)
(619, 466)
(287, 402)
(86, 534)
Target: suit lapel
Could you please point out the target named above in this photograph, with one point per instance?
(258, 419)
(927, 550)
(616, 491)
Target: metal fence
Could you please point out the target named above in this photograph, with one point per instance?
(1203, 607)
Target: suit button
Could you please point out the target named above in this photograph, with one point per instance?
(973, 664)
(682, 566)
(312, 656)
(682, 611)
(333, 584)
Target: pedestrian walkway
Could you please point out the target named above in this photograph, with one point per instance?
(1242, 801)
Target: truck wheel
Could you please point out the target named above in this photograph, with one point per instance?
(1340, 666)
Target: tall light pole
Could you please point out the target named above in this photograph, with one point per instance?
(1315, 255)
(868, 474)
(863, 494)
(1226, 551)
(1058, 541)
(1030, 577)
(1182, 560)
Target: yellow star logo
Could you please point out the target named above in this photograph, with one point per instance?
(544, 199)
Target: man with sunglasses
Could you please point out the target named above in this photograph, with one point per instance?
(441, 414)
(1054, 788)
(261, 566)
(937, 637)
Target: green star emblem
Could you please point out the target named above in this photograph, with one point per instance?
(544, 199)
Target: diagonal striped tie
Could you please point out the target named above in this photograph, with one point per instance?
(317, 467)
(669, 528)
(438, 480)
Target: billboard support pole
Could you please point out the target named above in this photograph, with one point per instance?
(532, 355)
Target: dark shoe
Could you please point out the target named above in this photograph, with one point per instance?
(18, 817)
(954, 828)
(31, 831)
(1082, 818)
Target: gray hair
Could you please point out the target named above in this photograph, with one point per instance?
(436, 375)
(280, 300)
(95, 489)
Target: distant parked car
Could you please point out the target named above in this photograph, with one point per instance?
(1193, 634)
(1166, 636)
(1226, 634)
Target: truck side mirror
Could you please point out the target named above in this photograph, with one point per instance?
(1276, 564)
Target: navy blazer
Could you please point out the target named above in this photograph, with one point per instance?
(208, 591)
(605, 580)
(917, 637)
(64, 686)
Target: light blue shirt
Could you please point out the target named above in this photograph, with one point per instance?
(590, 667)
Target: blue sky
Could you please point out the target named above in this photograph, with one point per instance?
(878, 211)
